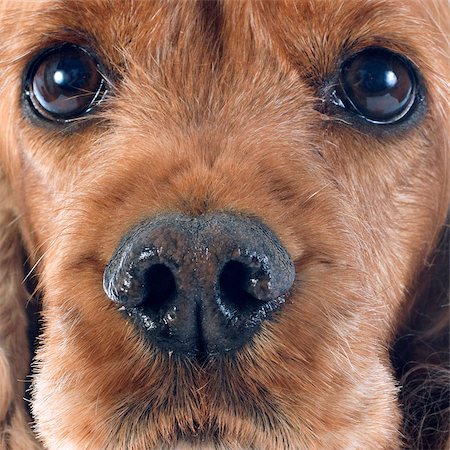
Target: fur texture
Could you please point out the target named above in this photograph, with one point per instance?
(217, 106)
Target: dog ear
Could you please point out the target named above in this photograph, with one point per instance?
(14, 354)
(421, 355)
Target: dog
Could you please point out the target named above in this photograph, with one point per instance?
(233, 217)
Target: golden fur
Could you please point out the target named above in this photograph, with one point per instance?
(214, 106)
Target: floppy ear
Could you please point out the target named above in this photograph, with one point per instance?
(14, 354)
(421, 355)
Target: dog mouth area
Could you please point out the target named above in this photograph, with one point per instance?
(188, 404)
(208, 426)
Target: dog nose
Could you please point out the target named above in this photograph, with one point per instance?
(199, 285)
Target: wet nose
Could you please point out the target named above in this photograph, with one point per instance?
(199, 285)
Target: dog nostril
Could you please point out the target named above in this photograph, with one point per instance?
(237, 282)
(159, 287)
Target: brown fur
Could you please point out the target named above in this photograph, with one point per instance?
(214, 106)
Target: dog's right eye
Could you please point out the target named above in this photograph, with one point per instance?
(63, 83)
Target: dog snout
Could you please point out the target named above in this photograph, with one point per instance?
(199, 285)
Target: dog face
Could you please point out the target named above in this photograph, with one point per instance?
(202, 130)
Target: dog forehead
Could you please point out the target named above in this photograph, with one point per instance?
(312, 36)
(300, 24)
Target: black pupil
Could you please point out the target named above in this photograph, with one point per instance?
(69, 75)
(377, 77)
(64, 82)
(379, 85)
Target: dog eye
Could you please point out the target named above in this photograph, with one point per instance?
(64, 83)
(378, 85)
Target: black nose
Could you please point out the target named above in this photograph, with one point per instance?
(199, 284)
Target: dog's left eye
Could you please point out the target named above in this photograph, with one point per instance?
(378, 85)
(63, 83)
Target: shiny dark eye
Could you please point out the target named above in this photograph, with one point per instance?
(378, 85)
(63, 83)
